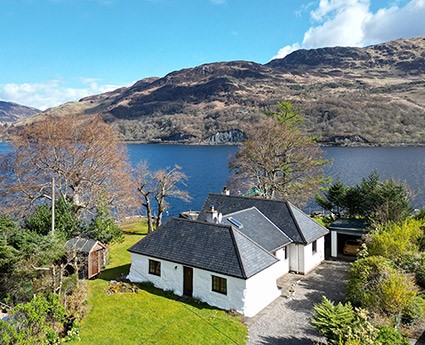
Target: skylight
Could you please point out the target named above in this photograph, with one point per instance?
(236, 223)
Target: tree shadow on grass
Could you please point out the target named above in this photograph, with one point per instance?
(137, 233)
(115, 273)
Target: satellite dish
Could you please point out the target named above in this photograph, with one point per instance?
(220, 217)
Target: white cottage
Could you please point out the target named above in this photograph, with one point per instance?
(233, 254)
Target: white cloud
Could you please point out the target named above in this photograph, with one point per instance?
(352, 23)
(286, 50)
(50, 93)
(396, 22)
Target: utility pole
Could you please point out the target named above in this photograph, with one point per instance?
(53, 205)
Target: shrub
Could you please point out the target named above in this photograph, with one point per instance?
(374, 284)
(414, 263)
(390, 336)
(394, 240)
(342, 324)
(413, 312)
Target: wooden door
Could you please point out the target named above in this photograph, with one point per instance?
(187, 281)
(95, 269)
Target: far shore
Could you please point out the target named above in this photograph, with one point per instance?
(321, 144)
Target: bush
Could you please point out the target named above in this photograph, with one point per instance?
(342, 324)
(414, 263)
(374, 284)
(390, 336)
(39, 321)
(413, 312)
(394, 240)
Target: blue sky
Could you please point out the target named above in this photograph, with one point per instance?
(55, 51)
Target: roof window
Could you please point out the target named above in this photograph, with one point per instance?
(236, 223)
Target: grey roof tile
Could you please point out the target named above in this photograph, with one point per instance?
(281, 213)
(310, 229)
(254, 258)
(212, 247)
(259, 228)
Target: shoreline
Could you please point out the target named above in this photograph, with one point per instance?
(321, 144)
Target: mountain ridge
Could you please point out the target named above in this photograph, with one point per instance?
(11, 112)
(376, 93)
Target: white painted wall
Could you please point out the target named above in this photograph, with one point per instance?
(301, 258)
(202, 289)
(245, 296)
(296, 257)
(171, 273)
(312, 260)
(261, 289)
(334, 244)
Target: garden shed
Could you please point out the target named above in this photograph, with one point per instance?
(91, 255)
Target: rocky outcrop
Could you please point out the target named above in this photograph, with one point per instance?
(347, 140)
(226, 137)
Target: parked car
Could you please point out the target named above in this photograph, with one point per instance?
(352, 247)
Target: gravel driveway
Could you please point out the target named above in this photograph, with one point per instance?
(287, 320)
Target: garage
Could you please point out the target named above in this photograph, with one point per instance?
(345, 236)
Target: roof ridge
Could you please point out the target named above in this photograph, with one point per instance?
(253, 242)
(199, 222)
(244, 197)
(275, 225)
(239, 211)
(288, 205)
(238, 254)
(306, 216)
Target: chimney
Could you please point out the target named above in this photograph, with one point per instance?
(226, 191)
(212, 215)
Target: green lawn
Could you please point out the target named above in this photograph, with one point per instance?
(150, 316)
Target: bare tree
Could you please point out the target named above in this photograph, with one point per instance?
(279, 161)
(84, 156)
(160, 185)
(145, 186)
(167, 186)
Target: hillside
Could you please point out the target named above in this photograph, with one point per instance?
(11, 112)
(374, 94)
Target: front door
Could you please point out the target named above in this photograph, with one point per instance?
(187, 281)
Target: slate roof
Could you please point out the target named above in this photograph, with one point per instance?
(352, 224)
(289, 219)
(213, 247)
(310, 229)
(81, 244)
(259, 228)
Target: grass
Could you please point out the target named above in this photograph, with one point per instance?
(150, 316)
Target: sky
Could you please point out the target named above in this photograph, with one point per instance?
(55, 51)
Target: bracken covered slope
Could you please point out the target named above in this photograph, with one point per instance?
(374, 94)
